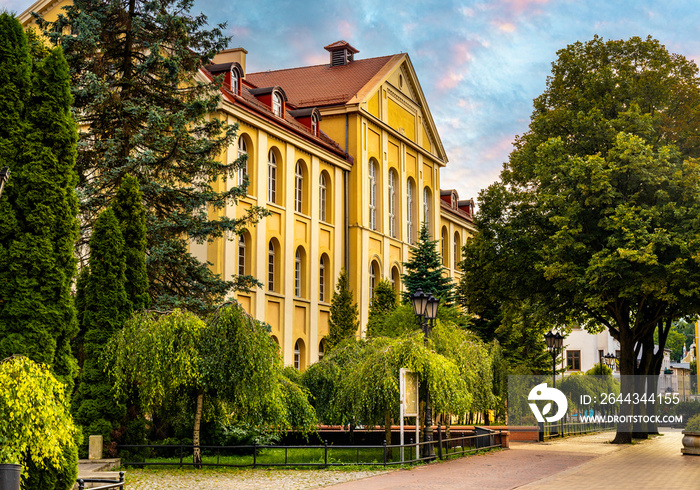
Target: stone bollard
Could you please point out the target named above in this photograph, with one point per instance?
(95, 447)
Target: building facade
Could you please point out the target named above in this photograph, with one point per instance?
(346, 158)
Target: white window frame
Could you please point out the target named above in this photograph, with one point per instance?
(271, 267)
(271, 177)
(298, 188)
(277, 104)
(372, 195)
(322, 281)
(242, 150)
(297, 274)
(392, 204)
(322, 197)
(234, 81)
(241, 255)
(409, 211)
(426, 208)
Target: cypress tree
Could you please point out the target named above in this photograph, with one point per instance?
(146, 111)
(131, 214)
(424, 270)
(38, 224)
(106, 309)
(383, 302)
(343, 322)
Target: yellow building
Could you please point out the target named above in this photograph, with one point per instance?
(347, 159)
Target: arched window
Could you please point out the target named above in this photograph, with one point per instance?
(445, 247)
(241, 255)
(234, 81)
(426, 208)
(297, 355)
(372, 195)
(297, 274)
(373, 273)
(409, 211)
(242, 151)
(322, 197)
(271, 177)
(298, 187)
(314, 124)
(396, 280)
(323, 270)
(321, 349)
(271, 259)
(392, 203)
(277, 104)
(457, 254)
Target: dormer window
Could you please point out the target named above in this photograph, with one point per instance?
(272, 97)
(314, 124)
(277, 104)
(234, 81)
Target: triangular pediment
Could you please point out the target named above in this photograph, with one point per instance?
(395, 97)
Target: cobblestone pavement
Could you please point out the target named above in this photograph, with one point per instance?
(240, 479)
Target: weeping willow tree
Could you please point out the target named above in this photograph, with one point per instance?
(229, 359)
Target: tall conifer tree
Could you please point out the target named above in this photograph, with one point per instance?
(343, 322)
(424, 270)
(106, 308)
(131, 214)
(38, 225)
(146, 112)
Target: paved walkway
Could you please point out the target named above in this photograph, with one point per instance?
(583, 462)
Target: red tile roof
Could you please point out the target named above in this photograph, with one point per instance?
(322, 85)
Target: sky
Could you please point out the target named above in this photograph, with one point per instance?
(480, 64)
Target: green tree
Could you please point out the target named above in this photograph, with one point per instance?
(231, 358)
(130, 212)
(343, 322)
(106, 308)
(38, 225)
(424, 270)
(383, 302)
(593, 219)
(36, 429)
(144, 111)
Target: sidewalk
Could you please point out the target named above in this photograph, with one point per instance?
(583, 462)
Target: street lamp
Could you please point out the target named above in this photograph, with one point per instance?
(425, 307)
(555, 342)
(4, 177)
(610, 361)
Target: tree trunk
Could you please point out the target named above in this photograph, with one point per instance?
(627, 368)
(197, 456)
(387, 432)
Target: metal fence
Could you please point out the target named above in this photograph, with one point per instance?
(548, 431)
(416, 452)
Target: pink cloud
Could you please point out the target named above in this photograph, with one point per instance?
(449, 80)
(520, 6)
(346, 29)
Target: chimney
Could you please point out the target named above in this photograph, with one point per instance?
(230, 56)
(341, 53)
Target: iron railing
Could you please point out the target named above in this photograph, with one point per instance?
(109, 483)
(444, 448)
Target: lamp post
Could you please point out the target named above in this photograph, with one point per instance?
(4, 177)
(555, 341)
(425, 307)
(610, 361)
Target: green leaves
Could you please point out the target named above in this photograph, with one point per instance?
(34, 418)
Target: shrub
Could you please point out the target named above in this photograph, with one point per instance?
(693, 424)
